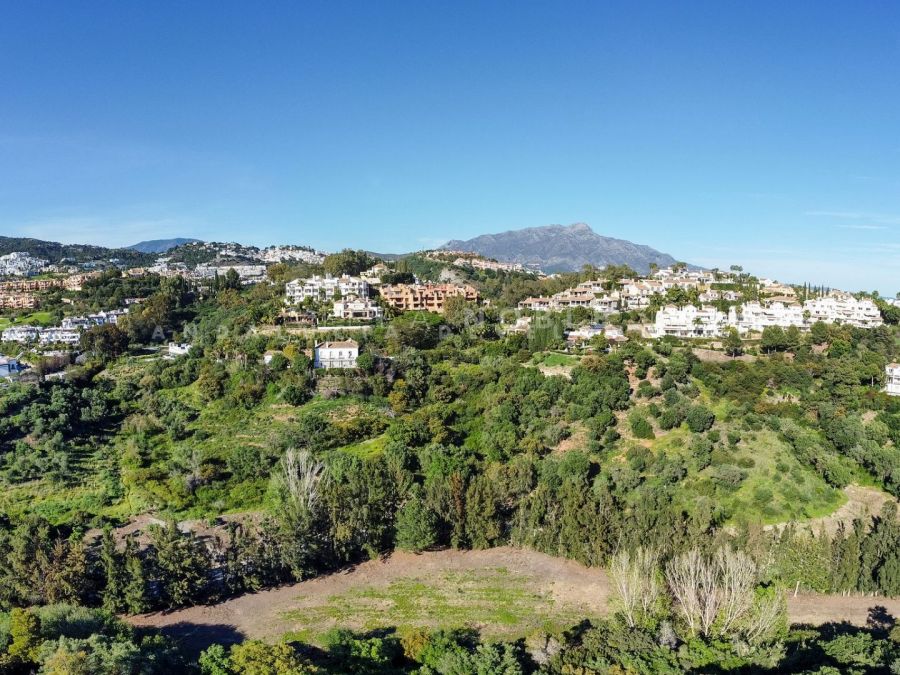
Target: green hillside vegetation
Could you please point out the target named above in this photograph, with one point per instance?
(444, 435)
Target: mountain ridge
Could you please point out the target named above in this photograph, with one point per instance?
(562, 248)
(161, 245)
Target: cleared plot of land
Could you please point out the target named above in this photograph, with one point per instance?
(503, 592)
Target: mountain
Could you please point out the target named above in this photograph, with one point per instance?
(77, 253)
(561, 248)
(160, 245)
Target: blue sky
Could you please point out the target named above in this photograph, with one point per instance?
(766, 134)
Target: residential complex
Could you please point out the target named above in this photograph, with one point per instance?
(18, 264)
(68, 332)
(753, 317)
(341, 354)
(325, 288)
(426, 297)
(18, 300)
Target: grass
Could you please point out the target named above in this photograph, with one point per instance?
(367, 449)
(552, 359)
(35, 318)
(777, 488)
(500, 603)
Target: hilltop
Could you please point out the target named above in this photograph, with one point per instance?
(161, 245)
(78, 253)
(562, 248)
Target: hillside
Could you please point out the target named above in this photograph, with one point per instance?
(78, 253)
(562, 248)
(160, 245)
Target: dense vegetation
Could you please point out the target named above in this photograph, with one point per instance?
(448, 434)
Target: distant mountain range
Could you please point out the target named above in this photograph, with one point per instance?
(562, 248)
(160, 245)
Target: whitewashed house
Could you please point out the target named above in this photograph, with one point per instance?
(357, 308)
(892, 386)
(179, 349)
(340, 354)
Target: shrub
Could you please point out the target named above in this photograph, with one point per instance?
(700, 418)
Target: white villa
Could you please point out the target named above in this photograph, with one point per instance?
(179, 349)
(342, 354)
(892, 386)
(357, 308)
(321, 288)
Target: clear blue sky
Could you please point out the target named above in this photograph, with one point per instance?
(759, 133)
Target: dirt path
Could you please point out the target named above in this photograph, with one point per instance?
(816, 609)
(565, 584)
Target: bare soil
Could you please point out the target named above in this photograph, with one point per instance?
(567, 584)
(714, 356)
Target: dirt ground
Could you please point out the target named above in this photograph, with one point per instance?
(812, 608)
(720, 357)
(567, 584)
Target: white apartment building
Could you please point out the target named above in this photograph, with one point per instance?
(755, 317)
(689, 321)
(248, 274)
(844, 308)
(66, 336)
(357, 308)
(341, 354)
(21, 334)
(324, 288)
(98, 319)
(892, 386)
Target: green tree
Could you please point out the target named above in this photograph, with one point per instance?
(112, 568)
(180, 564)
(134, 592)
(107, 341)
(416, 525)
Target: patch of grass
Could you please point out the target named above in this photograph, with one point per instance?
(367, 449)
(499, 603)
(34, 319)
(552, 359)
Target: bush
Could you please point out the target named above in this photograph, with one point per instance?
(700, 419)
(640, 427)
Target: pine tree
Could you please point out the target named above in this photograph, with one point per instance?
(134, 591)
(112, 569)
